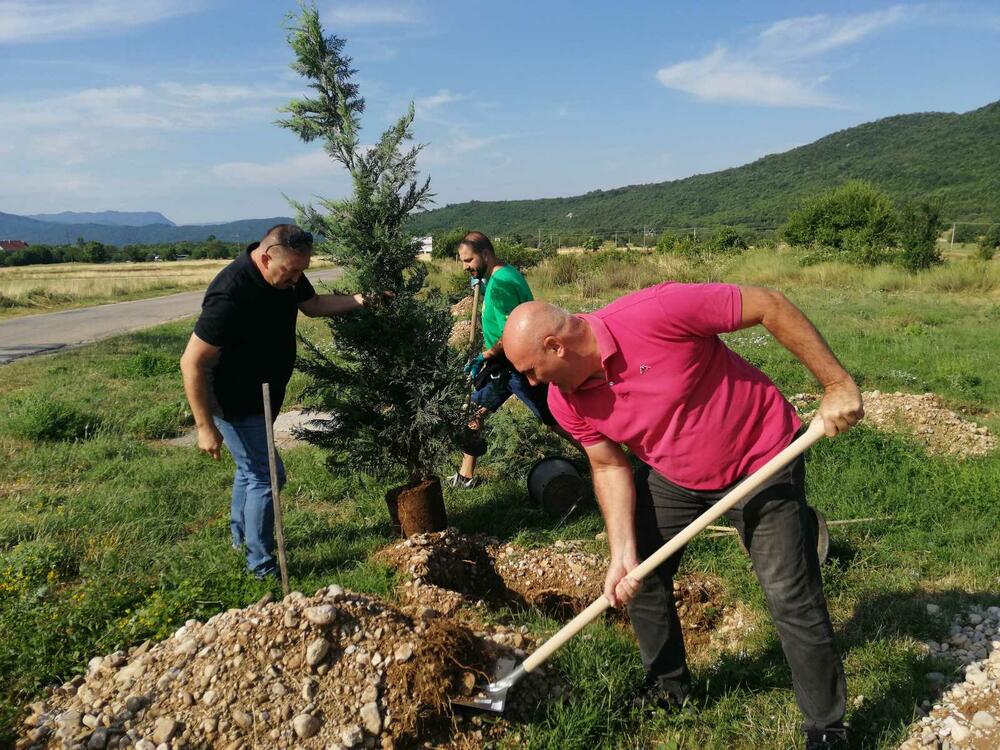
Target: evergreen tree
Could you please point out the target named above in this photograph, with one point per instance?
(394, 387)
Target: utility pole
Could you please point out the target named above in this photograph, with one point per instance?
(952, 245)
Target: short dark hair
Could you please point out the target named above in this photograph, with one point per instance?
(291, 236)
(478, 242)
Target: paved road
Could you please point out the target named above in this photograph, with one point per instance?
(39, 334)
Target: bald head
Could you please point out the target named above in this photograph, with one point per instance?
(530, 323)
(548, 345)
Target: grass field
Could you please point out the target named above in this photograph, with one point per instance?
(28, 290)
(108, 537)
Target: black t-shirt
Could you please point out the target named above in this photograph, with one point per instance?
(254, 324)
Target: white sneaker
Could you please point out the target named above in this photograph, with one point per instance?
(459, 482)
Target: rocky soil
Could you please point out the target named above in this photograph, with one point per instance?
(465, 575)
(967, 714)
(335, 670)
(924, 416)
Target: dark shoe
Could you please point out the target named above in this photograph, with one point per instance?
(826, 739)
(650, 697)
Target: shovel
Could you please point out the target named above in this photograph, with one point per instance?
(493, 697)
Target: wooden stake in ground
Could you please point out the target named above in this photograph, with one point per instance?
(272, 463)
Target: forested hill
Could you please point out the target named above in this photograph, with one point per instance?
(953, 157)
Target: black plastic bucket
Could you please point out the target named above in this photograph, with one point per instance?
(555, 484)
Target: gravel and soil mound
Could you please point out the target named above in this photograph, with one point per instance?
(454, 572)
(924, 416)
(967, 714)
(335, 670)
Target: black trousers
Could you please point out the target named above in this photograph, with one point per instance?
(775, 529)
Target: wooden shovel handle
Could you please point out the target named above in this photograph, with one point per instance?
(738, 493)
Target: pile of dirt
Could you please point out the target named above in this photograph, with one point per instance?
(924, 416)
(335, 670)
(967, 713)
(451, 571)
(462, 312)
(462, 308)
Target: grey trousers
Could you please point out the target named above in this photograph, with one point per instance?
(776, 530)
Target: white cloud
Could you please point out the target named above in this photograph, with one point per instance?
(165, 106)
(368, 14)
(808, 36)
(37, 20)
(284, 174)
(719, 77)
(771, 70)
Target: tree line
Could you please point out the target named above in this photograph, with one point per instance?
(91, 251)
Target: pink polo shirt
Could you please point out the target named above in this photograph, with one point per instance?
(679, 398)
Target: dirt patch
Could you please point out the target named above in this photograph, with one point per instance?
(452, 572)
(923, 416)
(336, 670)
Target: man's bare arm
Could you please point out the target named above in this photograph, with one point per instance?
(841, 406)
(615, 490)
(196, 361)
(327, 305)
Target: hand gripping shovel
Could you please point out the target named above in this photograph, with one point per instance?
(493, 697)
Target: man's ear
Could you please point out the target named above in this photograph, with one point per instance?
(554, 345)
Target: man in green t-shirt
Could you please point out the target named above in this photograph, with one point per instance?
(505, 289)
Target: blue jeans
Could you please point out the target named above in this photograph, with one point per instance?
(251, 515)
(495, 393)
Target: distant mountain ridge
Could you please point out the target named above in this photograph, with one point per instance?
(111, 218)
(35, 232)
(954, 158)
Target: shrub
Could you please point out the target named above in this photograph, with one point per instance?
(856, 217)
(458, 286)
(41, 418)
(989, 243)
(446, 244)
(520, 256)
(919, 226)
(727, 240)
(592, 243)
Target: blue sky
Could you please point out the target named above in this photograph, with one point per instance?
(169, 105)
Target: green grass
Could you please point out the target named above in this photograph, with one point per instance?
(109, 537)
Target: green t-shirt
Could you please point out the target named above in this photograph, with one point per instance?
(505, 290)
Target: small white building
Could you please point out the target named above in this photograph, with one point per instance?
(426, 244)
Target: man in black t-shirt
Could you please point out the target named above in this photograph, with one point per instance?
(245, 337)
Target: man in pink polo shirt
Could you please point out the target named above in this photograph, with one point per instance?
(650, 372)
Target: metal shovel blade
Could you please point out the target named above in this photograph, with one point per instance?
(493, 697)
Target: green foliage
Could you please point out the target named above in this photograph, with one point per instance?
(919, 226)
(517, 440)
(394, 387)
(446, 244)
(727, 240)
(592, 243)
(764, 192)
(97, 252)
(520, 256)
(44, 418)
(989, 243)
(856, 218)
